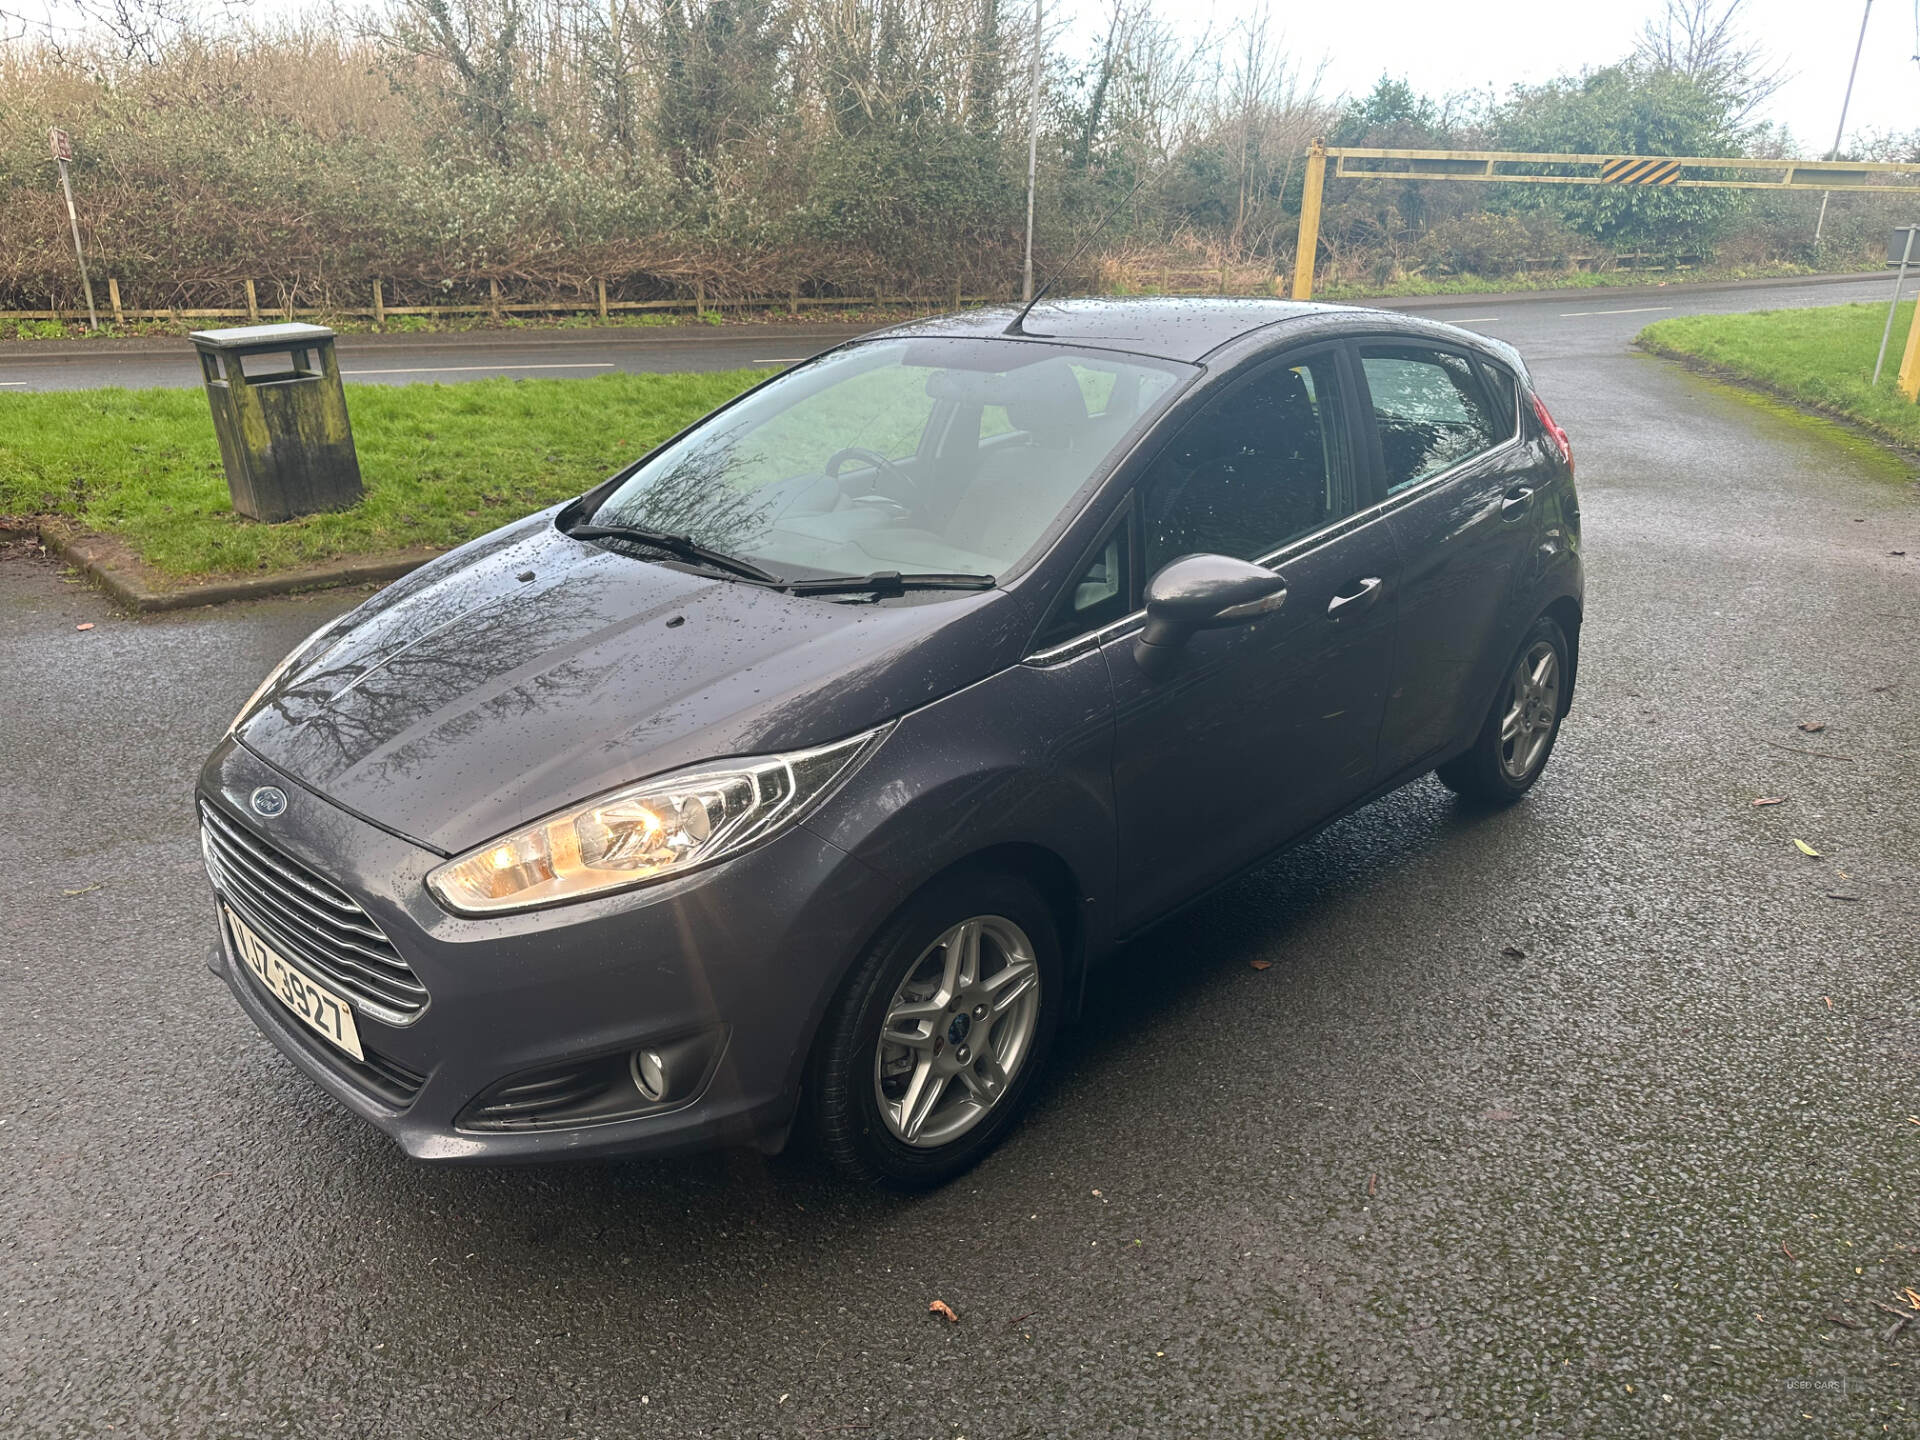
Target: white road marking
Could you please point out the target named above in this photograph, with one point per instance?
(21, 383)
(449, 369)
(1636, 310)
(1474, 320)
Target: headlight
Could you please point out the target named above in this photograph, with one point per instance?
(293, 657)
(643, 832)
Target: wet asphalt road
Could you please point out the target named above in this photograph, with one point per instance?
(1584, 1118)
(547, 354)
(533, 354)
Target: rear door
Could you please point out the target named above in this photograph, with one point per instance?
(1460, 499)
(1270, 726)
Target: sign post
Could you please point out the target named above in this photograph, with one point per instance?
(62, 144)
(1902, 242)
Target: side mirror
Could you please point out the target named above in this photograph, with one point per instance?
(1201, 592)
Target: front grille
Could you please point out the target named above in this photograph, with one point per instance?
(315, 923)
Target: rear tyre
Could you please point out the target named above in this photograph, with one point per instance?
(1517, 740)
(932, 1046)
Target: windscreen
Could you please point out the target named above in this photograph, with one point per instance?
(917, 456)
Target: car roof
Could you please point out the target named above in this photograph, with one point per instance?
(1172, 327)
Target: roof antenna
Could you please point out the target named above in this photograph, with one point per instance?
(1017, 327)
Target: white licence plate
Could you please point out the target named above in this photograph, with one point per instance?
(318, 1007)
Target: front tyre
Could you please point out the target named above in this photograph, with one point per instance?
(1514, 744)
(928, 1053)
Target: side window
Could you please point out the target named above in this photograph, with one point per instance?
(1264, 465)
(1101, 594)
(1429, 409)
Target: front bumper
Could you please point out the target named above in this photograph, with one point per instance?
(749, 951)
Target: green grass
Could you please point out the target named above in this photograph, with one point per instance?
(1819, 357)
(1416, 285)
(441, 463)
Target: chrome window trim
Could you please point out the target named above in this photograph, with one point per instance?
(1293, 549)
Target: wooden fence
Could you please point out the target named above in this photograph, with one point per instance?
(1166, 281)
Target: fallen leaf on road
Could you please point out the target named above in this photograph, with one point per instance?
(1829, 1000)
(940, 1307)
(1769, 800)
(1261, 964)
(1498, 1115)
(1896, 552)
(1788, 1253)
(87, 626)
(1806, 849)
(1813, 727)
(1370, 1180)
(83, 890)
(1514, 952)
(1837, 895)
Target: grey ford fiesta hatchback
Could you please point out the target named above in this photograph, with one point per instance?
(812, 764)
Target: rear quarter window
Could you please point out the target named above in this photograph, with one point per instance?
(1503, 396)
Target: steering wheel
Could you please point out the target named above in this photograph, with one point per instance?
(877, 461)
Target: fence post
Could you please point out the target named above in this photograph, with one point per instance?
(793, 300)
(253, 304)
(113, 299)
(493, 300)
(699, 299)
(1316, 179)
(379, 307)
(601, 286)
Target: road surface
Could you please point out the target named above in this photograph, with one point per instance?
(549, 354)
(1593, 1117)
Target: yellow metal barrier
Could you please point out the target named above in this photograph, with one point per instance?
(1516, 167)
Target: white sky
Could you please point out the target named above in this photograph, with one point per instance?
(1444, 46)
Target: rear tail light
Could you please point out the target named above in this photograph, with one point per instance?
(1558, 435)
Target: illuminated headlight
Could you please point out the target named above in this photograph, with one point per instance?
(298, 655)
(644, 832)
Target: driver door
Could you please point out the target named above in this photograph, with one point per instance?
(1269, 727)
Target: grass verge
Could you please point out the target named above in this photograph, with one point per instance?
(1413, 286)
(1820, 357)
(441, 463)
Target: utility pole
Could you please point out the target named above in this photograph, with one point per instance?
(1033, 155)
(63, 152)
(1840, 134)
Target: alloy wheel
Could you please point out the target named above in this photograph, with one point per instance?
(1533, 708)
(959, 1027)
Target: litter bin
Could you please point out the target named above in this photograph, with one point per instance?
(282, 419)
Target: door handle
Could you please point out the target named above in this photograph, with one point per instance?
(1519, 500)
(1356, 600)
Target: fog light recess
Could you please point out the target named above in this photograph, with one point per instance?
(600, 1089)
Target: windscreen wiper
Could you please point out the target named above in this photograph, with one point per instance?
(683, 547)
(886, 582)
